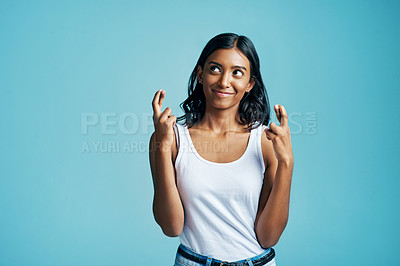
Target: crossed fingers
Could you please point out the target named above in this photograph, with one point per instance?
(274, 131)
(157, 103)
(165, 116)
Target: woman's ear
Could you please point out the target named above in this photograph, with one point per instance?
(251, 84)
(200, 74)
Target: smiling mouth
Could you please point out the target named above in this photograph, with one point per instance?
(223, 94)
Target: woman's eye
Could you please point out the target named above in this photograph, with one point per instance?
(214, 69)
(238, 73)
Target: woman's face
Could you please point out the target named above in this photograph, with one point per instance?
(225, 78)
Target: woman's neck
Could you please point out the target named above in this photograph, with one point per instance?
(221, 121)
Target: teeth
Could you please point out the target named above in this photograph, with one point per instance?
(222, 92)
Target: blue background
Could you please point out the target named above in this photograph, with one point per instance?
(334, 65)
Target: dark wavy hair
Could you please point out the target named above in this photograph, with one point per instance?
(254, 108)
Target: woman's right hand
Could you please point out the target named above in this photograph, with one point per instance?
(163, 121)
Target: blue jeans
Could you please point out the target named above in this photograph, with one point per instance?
(187, 257)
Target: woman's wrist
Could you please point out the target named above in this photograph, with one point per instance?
(286, 162)
(163, 147)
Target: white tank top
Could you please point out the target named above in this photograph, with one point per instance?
(220, 200)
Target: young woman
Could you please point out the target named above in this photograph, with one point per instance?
(222, 178)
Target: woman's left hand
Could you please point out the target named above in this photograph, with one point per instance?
(280, 135)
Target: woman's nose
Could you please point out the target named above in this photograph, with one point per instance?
(224, 81)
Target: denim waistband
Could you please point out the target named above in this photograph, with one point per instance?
(259, 260)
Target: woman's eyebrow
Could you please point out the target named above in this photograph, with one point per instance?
(218, 64)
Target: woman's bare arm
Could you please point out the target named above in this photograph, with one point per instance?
(273, 212)
(167, 206)
(273, 207)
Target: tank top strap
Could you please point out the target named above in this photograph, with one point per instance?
(252, 143)
(176, 131)
(181, 142)
(258, 143)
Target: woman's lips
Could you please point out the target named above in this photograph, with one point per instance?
(222, 94)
